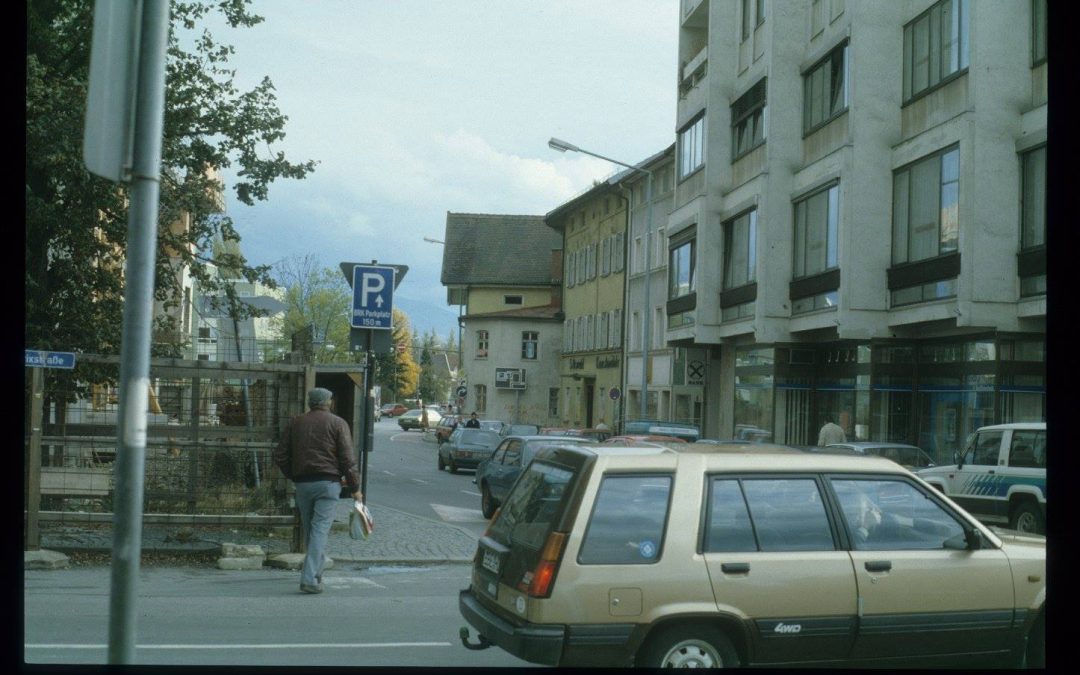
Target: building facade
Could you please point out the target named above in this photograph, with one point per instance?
(861, 188)
(505, 270)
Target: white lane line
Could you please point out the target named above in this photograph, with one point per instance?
(422, 482)
(474, 494)
(360, 645)
(388, 473)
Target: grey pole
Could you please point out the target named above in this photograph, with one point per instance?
(138, 318)
(646, 324)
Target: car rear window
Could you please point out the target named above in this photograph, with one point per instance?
(533, 507)
(628, 521)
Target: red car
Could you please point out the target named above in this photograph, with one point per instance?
(392, 409)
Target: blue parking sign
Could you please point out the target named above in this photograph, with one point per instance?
(373, 297)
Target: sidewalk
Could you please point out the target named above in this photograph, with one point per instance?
(398, 537)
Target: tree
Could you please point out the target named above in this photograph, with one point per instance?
(318, 300)
(76, 223)
(397, 372)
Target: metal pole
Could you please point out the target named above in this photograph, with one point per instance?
(646, 325)
(138, 318)
(33, 465)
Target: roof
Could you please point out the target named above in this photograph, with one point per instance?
(536, 312)
(495, 249)
(750, 457)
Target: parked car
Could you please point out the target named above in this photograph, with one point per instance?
(617, 557)
(1000, 475)
(493, 425)
(519, 430)
(393, 409)
(639, 439)
(445, 427)
(907, 456)
(414, 419)
(687, 432)
(593, 433)
(466, 448)
(496, 474)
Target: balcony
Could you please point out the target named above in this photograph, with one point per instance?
(693, 72)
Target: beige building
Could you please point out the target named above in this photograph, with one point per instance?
(862, 187)
(505, 271)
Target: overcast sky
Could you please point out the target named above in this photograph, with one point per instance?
(418, 107)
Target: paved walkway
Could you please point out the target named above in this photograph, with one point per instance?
(398, 537)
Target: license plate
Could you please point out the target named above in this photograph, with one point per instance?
(491, 561)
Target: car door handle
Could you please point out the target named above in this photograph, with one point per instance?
(735, 568)
(878, 565)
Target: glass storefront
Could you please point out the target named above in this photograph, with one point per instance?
(930, 394)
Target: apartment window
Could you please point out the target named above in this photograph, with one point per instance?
(935, 47)
(616, 328)
(658, 247)
(816, 226)
(605, 257)
(530, 341)
(760, 8)
(1038, 32)
(746, 5)
(739, 290)
(692, 147)
(481, 398)
(925, 207)
(553, 402)
(681, 270)
(825, 93)
(1032, 259)
(205, 335)
(748, 117)
(617, 252)
(512, 299)
(481, 344)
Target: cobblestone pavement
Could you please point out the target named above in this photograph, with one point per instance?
(398, 537)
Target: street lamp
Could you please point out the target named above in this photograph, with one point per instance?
(646, 328)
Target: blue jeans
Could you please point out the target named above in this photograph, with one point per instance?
(317, 502)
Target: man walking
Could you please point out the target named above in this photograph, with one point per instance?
(830, 433)
(315, 453)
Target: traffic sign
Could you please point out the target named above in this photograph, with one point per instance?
(462, 391)
(373, 297)
(41, 359)
(614, 393)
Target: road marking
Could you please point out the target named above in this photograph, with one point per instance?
(422, 482)
(456, 514)
(474, 494)
(388, 473)
(358, 645)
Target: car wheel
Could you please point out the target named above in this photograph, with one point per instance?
(450, 463)
(1027, 518)
(689, 647)
(487, 502)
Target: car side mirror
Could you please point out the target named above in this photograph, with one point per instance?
(958, 459)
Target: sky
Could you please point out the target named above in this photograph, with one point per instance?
(414, 108)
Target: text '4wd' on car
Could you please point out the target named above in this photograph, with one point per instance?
(755, 555)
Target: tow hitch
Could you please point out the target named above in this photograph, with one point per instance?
(483, 643)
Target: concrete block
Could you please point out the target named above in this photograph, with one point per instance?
(292, 561)
(43, 559)
(242, 551)
(249, 563)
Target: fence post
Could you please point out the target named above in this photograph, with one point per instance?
(33, 477)
(193, 459)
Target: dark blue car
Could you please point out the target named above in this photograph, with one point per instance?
(496, 475)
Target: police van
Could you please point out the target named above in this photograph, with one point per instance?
(999, 476)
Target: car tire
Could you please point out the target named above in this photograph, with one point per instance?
(451, 465)
(689, 646)
(487, 502)
(1027, 517)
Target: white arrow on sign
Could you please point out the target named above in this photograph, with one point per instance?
(372, 283)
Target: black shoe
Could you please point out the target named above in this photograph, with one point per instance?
(308, 588)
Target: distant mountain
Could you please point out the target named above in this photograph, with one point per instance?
(425, 316)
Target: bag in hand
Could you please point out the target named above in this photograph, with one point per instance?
(361, 524)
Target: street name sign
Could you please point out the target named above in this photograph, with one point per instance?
(41, 359)
(373, 297)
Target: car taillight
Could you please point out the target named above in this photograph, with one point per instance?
(542, 577)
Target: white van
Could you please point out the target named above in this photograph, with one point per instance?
(999, 476)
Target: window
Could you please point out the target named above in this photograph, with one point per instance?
(617, 252)
(616, 328)
(925, 207)
(481, 344)
(692, 147)
(603, 335)
(628, 521)
(935, 47)
(891, 515)
(1032, 259)
(512, 299)
(728, 529)
(681, 270)
(816, 225)
(581, 256)
(825, 93)
(740, 238)
(748, 117)
(553, 402)
(1038, 32)
(605, 257)
(1028, 449)
(760, 7)
(529, 343)
(481, 398)
(984, 449)
(205, 336)
(746, 19)
(788, 514)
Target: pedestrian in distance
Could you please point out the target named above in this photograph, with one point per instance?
(602, 425)
(830, 433)
(473, 423)
(315, 453)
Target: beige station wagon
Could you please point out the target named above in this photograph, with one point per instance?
(709, 556)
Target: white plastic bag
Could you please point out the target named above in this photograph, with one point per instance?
(361, 523)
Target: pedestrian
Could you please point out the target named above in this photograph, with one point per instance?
(473, 423)
(602, 425)
(830, 433)
(315, 453)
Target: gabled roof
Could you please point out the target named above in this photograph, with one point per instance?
(504, 250)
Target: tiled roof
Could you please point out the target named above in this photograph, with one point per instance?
(507, 250)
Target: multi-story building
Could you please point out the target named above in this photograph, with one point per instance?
(862, 189)
(505, 270)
